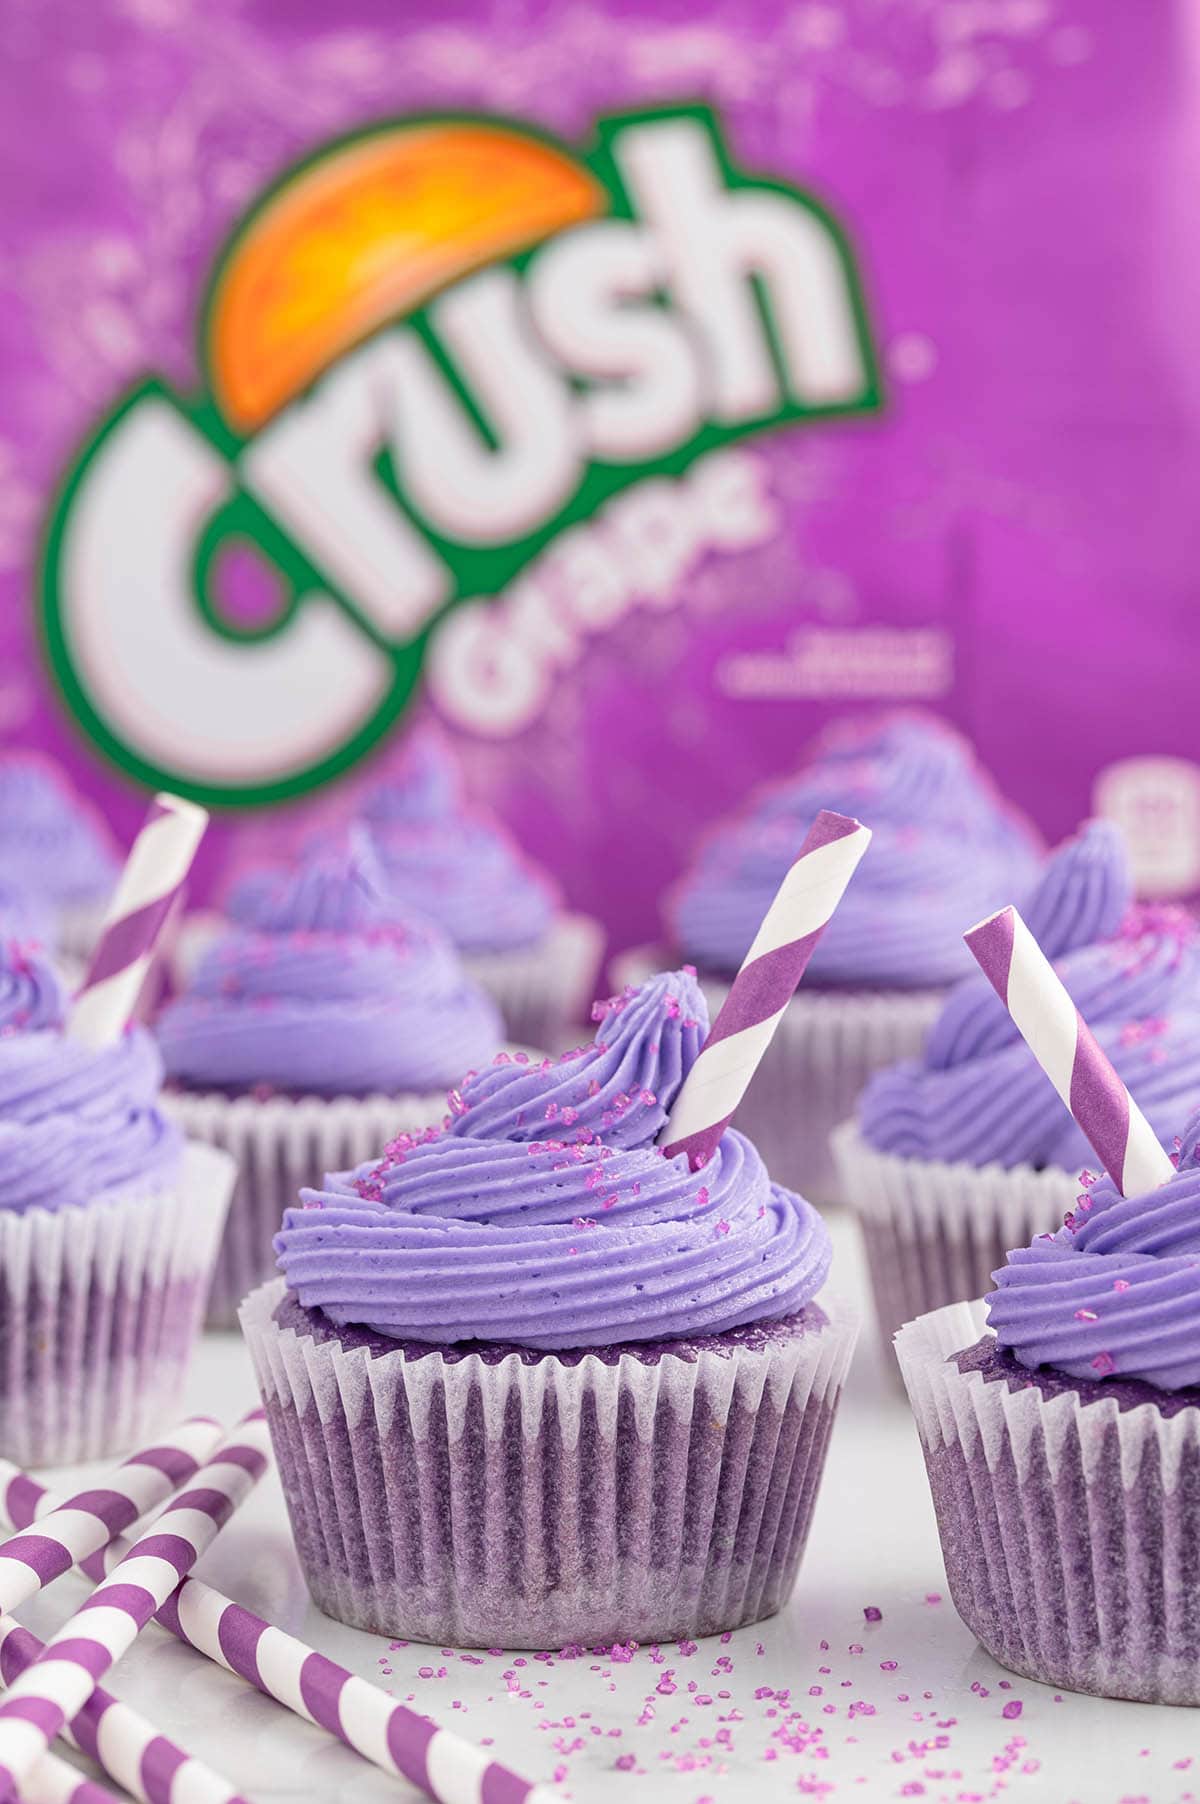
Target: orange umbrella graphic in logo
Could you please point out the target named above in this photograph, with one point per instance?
(365, 234)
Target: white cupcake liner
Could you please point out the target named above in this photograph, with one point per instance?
(531, 1502)
(826, 1048)
(280, 1144)
(99, 1310)
(1070, 1529)
(935, 1232)
(541, 989)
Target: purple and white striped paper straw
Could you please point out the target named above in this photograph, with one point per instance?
(399, 1741)
(1067, 1051)
(89, 1520)
(55, 1781)
(119, 1739)
(777, 959)
(55, 1687)
(147, 891)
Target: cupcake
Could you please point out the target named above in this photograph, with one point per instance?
(958, 1155)
(458, 866)
(1060, 1422)
(108, 1230)
(55, 852)
(530, 1382)
(945, 850)
(313, 1030)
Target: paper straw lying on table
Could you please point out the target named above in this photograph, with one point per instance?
(50, 1692)
(55, 1781)
(130, 1749)
(745, 1025)
(89, 1520)
(391, 1736)
(1067, 1051)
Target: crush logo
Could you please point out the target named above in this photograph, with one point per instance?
(434, 357)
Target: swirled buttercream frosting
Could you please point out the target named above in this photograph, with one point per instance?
(1115, 1293)
(76, 1125)
(322, 988)
(451, 862)
(52, 845)
(1133, 972)
(22, 916)
(544, 1215)
(945, 850)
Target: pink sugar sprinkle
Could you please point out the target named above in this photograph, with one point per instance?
(1012, 1709)
(873, 1613)
(583, 1221)
(1120, 1283)
(1104, 1363)
(722, 1227)
(1086, 1315)
(702, 1197)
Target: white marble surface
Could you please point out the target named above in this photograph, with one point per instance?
(931, 1727)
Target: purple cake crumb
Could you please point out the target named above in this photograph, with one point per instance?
(756, 1336)
(1000, 1365)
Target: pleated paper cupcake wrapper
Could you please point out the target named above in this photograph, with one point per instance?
(99, 1311)
(539, 1504)
(543, 989)
(1070, 1530)
(934, 1232)
(826, 1048)
(280, 1144)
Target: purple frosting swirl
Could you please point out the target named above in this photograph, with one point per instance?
(52, 845)
(545, 1216)
(452, 863)
(76, 1126)
(1115, 1293)
(945, 850)
(321, 989)
(22, 916)
(1134, 973)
